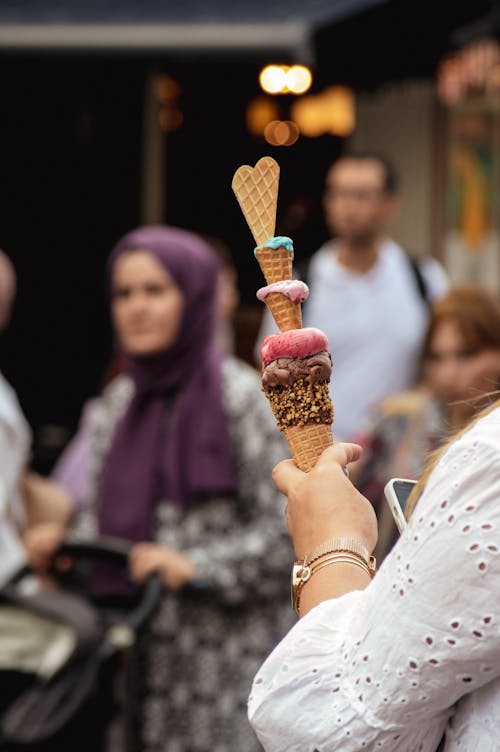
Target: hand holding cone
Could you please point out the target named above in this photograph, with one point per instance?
(296, 363)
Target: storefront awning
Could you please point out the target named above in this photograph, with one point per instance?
(190, 25)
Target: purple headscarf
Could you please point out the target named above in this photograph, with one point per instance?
(183, 453)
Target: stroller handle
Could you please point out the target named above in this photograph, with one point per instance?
(116, 549)
(103, 548)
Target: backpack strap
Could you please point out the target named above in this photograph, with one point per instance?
(420, 282)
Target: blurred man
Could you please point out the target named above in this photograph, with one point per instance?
(366, 294)
(27, 501)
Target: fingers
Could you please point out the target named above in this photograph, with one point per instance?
(141, 567)
(286, 473)
(143, 560)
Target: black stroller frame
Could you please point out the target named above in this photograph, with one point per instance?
(51, 714)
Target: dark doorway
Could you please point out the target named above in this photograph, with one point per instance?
(71, 152)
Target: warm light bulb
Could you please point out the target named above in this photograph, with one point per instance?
(273, 79)
(298, 79)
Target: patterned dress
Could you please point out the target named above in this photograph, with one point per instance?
(200, 657)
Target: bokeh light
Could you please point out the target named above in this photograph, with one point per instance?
(332, 111)
(260, 111)
(308, 116)
(272, 78)
(298, 79)
(281, 133)
(284, 79)
(339, 112)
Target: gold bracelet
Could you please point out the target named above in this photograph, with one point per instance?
(339, 544)
(302, 572)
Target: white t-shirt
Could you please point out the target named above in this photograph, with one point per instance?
(15, 443)
(375, 323)
(418, 651)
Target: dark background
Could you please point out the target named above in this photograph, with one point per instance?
(70, 157)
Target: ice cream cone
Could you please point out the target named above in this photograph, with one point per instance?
(295, 376)
(297, 384)
(286, 313)
(308, 442)
(276, 263)
(256, 189)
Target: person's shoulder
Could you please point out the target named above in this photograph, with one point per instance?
(435, 276)
(115, 394)
(486, 430)
(477, 449)
(323, 256)
(242, 388)
(238, 375)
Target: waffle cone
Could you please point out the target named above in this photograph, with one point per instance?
(308, 442)
(286, 313)
(256, 189)
(276, 264)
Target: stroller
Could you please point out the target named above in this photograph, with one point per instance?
(60, 651)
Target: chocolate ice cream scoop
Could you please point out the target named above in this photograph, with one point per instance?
(286, 371)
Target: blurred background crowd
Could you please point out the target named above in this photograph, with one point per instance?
(385, 120)
(137, 113)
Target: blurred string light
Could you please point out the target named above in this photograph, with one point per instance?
(284, 79)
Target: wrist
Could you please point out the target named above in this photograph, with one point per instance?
(335, 553)
(313, 542)
(331, 582)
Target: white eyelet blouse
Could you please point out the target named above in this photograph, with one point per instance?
(417, 653)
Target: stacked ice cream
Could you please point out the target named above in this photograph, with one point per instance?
(296, 362)
(296, 371)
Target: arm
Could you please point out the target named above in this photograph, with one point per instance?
(386, 664)
(45, 500)
(72, 470)
(48, 513)
(323, 504)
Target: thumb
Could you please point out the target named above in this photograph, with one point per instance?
(341, 453)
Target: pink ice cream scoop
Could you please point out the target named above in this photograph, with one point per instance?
(297, 343)
(294, 289)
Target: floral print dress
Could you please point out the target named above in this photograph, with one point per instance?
(200, 655)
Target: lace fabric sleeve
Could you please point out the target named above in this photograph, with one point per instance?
(384, 667)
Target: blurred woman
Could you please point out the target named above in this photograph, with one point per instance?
(460, 365)
(181, 453)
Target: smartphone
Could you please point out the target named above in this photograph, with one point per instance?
(397, 492)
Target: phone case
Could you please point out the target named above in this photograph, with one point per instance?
(394, 502)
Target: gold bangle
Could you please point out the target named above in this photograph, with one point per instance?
(302, 572)
(338, 544)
